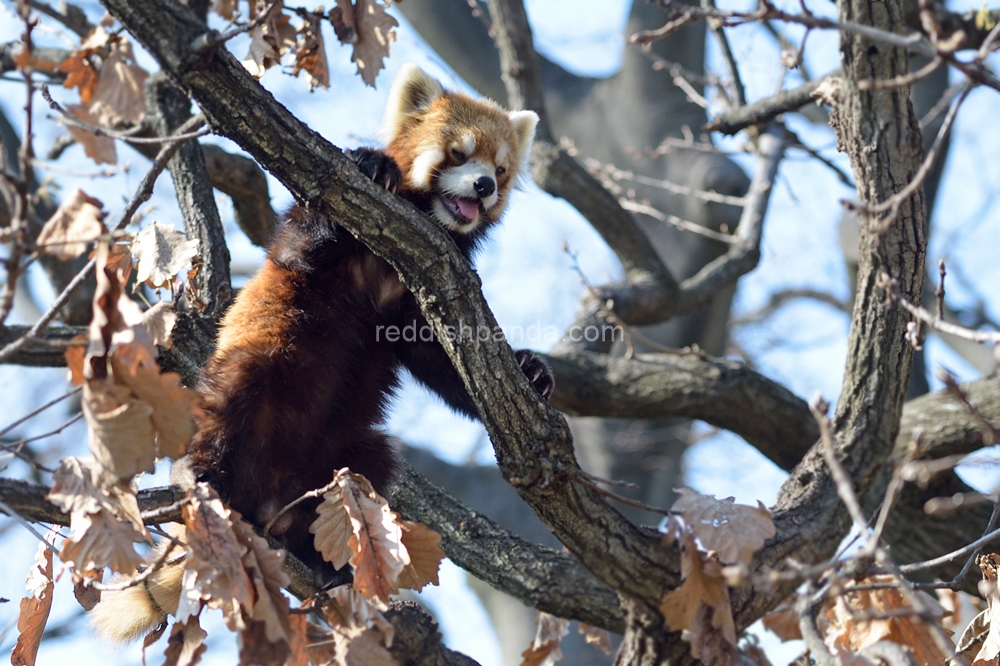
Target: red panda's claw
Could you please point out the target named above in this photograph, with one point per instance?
(537, 372)
(378, 166)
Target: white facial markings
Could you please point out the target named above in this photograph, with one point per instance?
(460, 181)
(424, 166)
(501, 154)
(468, 144)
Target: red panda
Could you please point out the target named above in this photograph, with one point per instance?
(305, 362)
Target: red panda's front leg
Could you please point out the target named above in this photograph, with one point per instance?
(378, 166)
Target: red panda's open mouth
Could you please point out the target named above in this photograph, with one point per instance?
(464, 210)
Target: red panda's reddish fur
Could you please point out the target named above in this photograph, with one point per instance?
(302, 373)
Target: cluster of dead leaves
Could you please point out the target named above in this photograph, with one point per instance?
(544, 649)
(364, 24)
(859, 618)
(111, 86)
(718, 539)
(386, 552)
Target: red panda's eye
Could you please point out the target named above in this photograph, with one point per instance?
(459, 156)
(501, 171)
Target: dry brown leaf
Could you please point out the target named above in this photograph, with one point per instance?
(97, 39)
(375, 542)
(117, 320)
(709, 641)
(310, 53)
(120, 428)
(379, 555)
(375, 32)
(151, 638)
(734, 531)
(80, 73)
(225, 8)
(104, 517)
(186, 643)
(544, 649)
(265, 568)
(214, 571)
(784, 623)
(35, 608)
(120, 94)
(703, 584)
(332, 528)
(160, 320)
(298, 643)
(599, 638)
(77, 222)
(161, 253)
(990, 563)
(101, 149)
(423, 546)
(31, 61)
(268, 41)
(360, 633)
(86, 594)
(255, 647)
(174, 408)
(847, 633)
(75, 354)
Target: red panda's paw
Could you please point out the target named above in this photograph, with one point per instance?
(378, 166)
(537, 372)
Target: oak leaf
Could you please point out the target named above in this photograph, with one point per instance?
(75, 354)
(599, 638)
(86, 594)
(988, 587)
(265, 568)
(80, 73)
(375, 31)
(186, 643)
(117, 319)
(544, 649)
(35, 607)
(784, 623)
(120, 94)
(120, 429)
(710, 641)
(298, 641)
(78, 221)
(865, 617)
(160, 320)
(161, 252)
(225, 8)
(104, 516)
(734, 531)
(214, 573)
(256, 648)
(101, 149)
(173, 407)
(360, 633)
(310, 53)
(378, 555)
(423, 546)
(702, 584)
(270, 40)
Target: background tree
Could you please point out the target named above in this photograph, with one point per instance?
(675, 292)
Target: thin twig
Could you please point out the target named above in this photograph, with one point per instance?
(612, 172)
(38, 411)
(931, 320)
(902, 80)
(31, 528)
(677, 222)
(845, 488)
(144, 191)
(70, 119)
(298, 500)
(739, 92)
(132, 581)
(583, 480)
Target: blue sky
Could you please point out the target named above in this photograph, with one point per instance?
(803, 346)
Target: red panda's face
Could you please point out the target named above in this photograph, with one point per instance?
(462, 155)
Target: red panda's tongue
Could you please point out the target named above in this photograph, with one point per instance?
(467, 209)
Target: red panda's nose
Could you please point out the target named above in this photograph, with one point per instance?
(484, 186)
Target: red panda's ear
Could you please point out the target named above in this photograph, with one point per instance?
(524, 127)
(413, 90)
